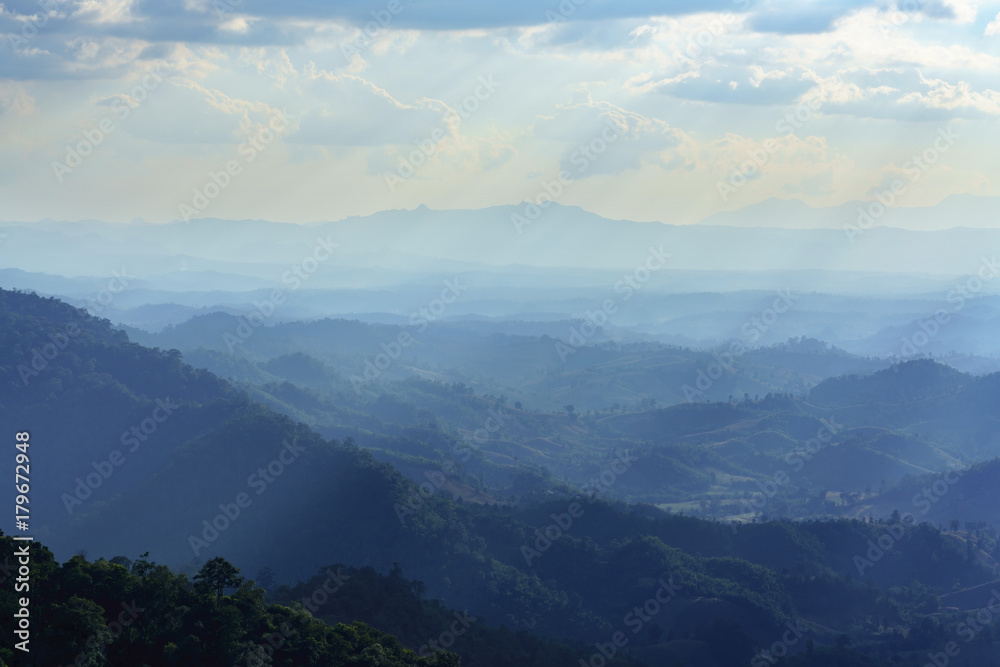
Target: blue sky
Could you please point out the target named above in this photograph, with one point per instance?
(307, 110)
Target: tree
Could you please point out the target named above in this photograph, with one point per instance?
(77, 618)
(219, 574)
(124, 562)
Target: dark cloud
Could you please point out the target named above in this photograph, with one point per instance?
(171, 20)
(465, 14)
(787, 17)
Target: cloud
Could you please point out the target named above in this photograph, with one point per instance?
(733, 85)
(993, 27)
(586, 35)
(905, 95)
(899, 93)
(603, 138)
(957, 11)
(105, 11)
(263, 22)
(352, 111)
(671, 105)
(183, 111)
(792, 18)
(463, 15)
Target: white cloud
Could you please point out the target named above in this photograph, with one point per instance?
(106, 11)
(993, 27)
(905, 94)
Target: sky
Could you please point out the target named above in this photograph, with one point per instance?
(307, 111)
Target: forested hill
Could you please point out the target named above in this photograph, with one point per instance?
(134, 451)
(130, 613)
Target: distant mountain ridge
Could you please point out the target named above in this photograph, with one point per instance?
(559, 237)
(963, 210)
